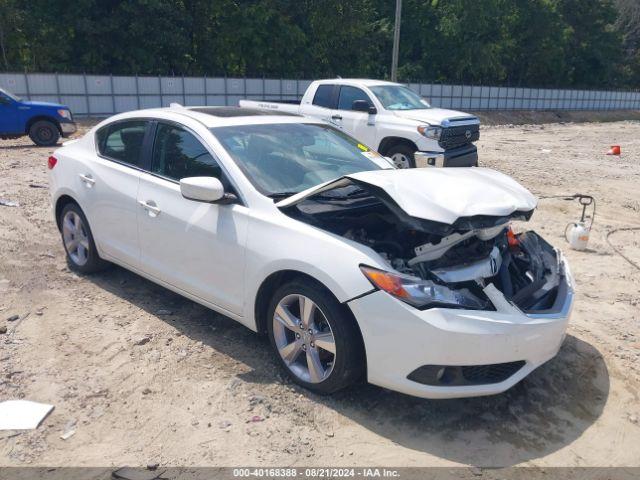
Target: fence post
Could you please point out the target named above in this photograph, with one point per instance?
(137, 93)
(206, 96)
(184, 94)
(58, 88)
(113, 94)
(160, 86)
(26, 83)
(86, 94)
(226, 102)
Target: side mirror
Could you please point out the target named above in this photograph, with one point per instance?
(362, 106)
(202, 189)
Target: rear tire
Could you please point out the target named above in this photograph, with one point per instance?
(310, 361)
(77, 239)
(402, 156)
(44, 133)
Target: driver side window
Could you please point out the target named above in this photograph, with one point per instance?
(348, 95)
(178, 154)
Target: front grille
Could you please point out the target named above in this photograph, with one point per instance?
(453, 137)
(456, 376)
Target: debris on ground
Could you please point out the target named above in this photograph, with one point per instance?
(8, 203)
(13, 318)
(3, 329)
(142, 340)
(69, 429)
(22, 414)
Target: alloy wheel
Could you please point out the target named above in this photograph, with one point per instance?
(75, 238)
(304, 338)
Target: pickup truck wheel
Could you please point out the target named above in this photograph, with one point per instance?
(315, 340)
(402, 156)
(44, 133)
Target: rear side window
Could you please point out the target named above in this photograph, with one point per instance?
(323, 96)
(123, 141)
(178, 154)
(348, 95)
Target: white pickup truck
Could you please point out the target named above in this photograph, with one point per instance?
(390, 118)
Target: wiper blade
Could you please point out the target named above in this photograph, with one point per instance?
(281, 195)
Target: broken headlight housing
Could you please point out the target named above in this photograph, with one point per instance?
(430, 132)
(421, 293)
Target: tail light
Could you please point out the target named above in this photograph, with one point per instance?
(52, 162)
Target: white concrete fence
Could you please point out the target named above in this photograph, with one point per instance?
(103, 95)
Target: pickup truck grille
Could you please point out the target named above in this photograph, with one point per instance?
(453, 137)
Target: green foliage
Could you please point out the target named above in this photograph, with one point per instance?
(593, 43)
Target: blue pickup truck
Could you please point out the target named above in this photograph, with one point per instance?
(44, 122)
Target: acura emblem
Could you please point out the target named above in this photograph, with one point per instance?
(467, 134)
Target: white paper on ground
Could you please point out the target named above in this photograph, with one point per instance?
(22, 414)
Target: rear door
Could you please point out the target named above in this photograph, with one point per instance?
(8, 115)
(357, 124)
(195, 246)
(109, 186)
(322, 104)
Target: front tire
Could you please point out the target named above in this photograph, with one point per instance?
(315, 340)
(44, 133)
(82, 254)
(402, 156)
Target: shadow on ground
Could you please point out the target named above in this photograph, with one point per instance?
(545, 412)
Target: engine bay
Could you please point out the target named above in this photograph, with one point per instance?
(477, 258)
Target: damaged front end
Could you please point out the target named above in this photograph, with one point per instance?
(474, 262)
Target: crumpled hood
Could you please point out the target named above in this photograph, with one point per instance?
(434, 116)
(440, 195)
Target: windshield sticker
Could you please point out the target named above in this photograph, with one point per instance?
(362, 147)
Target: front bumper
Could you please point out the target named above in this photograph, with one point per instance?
(400, 339)
(466, 156)
(68, 128)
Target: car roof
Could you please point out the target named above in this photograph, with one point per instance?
(212, 117)
(367, 82)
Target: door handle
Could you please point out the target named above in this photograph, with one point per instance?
(336, 117)
(149, 207)
(87, 179)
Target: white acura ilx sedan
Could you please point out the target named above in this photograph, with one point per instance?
(412, 279)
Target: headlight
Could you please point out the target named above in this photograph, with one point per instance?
(64, 113)
(430, 132)
(421, 293)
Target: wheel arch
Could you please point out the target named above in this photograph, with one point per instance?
(62, 201)
(389, 142)
(270, 284)
(38, 118)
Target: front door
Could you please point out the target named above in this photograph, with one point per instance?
(8, 115)
(195, 246)
(359, 125)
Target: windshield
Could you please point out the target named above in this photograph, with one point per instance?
(396, 97)
(10, 95)
(283, 159)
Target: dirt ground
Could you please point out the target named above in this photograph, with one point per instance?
(144, 376)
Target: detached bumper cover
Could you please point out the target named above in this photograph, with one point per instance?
(400, 339)
(466, 156)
